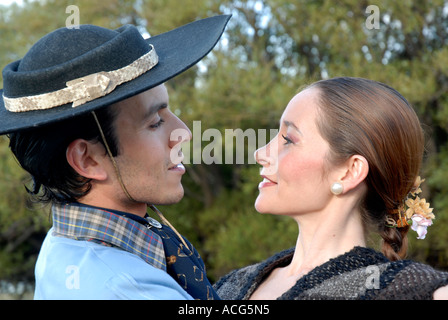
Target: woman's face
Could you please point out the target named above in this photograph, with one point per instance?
(293, 162)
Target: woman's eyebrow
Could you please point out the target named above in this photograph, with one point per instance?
(291, 124)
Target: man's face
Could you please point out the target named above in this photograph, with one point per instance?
(149, 158)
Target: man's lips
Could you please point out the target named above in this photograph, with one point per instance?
(266, 183)
(178, 167)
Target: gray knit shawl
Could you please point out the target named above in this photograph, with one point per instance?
(360, 274)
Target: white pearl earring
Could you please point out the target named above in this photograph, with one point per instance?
(337, 188)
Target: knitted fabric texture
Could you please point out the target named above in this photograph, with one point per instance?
(360, 274)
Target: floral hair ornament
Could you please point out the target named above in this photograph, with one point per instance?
(413, 211)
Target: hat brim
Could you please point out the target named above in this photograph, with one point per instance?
(178, 50)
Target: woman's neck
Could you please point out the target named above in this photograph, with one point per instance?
(322, 239)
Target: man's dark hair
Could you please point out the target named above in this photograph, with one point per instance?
(42, 152)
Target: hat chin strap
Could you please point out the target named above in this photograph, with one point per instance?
(114, 163)
(123, 187)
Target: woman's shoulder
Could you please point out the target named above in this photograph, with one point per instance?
(362, 273)
(412, 280)
(236, 284)
(385, 279)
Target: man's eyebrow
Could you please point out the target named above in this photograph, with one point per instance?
(154, 109)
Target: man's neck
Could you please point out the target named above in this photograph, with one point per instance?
(136, 208)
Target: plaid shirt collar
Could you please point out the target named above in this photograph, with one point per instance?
(82, 222)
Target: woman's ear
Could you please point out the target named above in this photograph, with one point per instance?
(86, 159)
(356, 171)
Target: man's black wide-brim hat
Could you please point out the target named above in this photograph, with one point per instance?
(72, 71)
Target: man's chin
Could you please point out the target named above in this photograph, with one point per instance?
(172, 198)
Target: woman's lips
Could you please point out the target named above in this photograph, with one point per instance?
(266, 183)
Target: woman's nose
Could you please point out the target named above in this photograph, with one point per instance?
(260, 156)
(266, 156)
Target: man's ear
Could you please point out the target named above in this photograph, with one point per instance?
(356, 170)
(86, 158)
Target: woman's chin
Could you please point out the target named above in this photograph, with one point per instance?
(261, 206)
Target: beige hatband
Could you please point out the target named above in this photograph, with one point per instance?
(84, 89)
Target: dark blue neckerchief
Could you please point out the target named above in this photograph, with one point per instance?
(184, 265)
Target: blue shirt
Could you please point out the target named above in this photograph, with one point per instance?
(71, 269)
(95, 254)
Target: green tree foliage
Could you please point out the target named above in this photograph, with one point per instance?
(270, 50)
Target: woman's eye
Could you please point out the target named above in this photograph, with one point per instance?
(287, 140)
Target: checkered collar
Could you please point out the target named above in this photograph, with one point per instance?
(82, 222)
